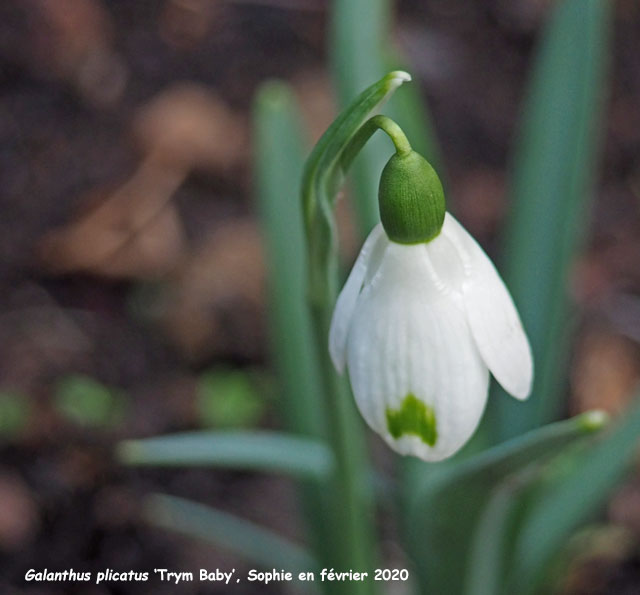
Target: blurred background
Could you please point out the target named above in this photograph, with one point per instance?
(132, 298)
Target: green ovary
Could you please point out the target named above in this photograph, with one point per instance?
(415, 418)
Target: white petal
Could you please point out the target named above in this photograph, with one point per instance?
(348, 297)
(406, 337)
(493, 317)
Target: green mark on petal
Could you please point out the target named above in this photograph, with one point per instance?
(413, 417)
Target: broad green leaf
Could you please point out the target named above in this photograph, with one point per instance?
(551, 193)
(228, 532)
(258, 451)
(572, 498)
(447, 506)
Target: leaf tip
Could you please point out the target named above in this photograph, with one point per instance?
(594, 420)
(128, 452)
(398, 77)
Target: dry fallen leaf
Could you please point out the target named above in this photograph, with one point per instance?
(189, 126)
(218, 303)
(134, 233)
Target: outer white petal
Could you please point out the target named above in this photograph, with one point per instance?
(406, 336)
(346, 303)
(493, 318)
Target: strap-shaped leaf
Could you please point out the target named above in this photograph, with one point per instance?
(278, 163)
(490, 539)
(446, 507)
(551, 194)
(228, 532)
(279, 160)
(257, 451)
(571, 499)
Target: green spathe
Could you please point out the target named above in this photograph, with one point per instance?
(412, 205)
(415, 418)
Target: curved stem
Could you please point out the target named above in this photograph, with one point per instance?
(394, 132)
(365, 132)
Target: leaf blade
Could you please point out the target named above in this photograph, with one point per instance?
(572, 499)
(449, 501)
(551, 192)
(227, 532)
(257, 451)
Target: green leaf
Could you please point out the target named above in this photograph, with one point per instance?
(551, 193)
(322, 177)
(228, 532)
(572, 498)
(446, 506)
(258, 451)
(279, 159)
(87, 402)
(490, 538)
(227, 398)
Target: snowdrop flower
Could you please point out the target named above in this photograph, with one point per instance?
(422, 319)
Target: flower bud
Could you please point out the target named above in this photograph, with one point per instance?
(411, 199)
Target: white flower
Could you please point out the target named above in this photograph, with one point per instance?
(419, 327)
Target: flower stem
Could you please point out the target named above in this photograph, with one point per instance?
(351, 498)
(353, 504)
(394, 132)
(364, 133)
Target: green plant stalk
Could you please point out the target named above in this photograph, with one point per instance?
(354, 506)
(322, 178)
(359, 51)
(353, 478)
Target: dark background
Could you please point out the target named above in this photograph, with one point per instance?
(87, 87)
